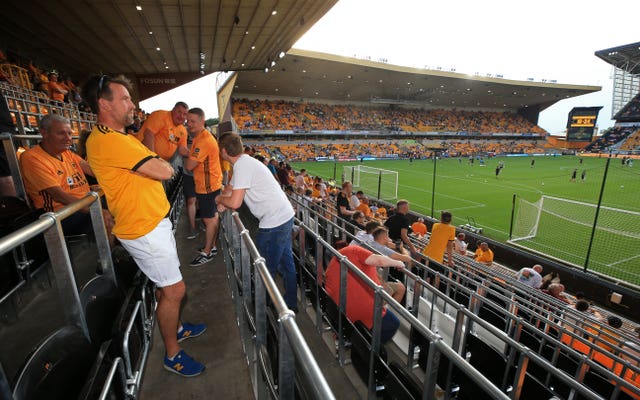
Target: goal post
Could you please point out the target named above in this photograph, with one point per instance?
(562, 228)
(378, 182)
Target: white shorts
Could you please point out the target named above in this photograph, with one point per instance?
(156, 254)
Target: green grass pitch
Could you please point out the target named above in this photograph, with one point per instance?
(472, 191)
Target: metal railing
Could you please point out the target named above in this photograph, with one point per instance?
(50, 224)
(322, 230)
(294, 354)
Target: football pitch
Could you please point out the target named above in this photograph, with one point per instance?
(474, 194)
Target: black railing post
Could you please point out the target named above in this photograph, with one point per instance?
(513, 211)
(595, 219)
(433, 185)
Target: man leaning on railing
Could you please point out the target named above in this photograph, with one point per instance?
(253, 183)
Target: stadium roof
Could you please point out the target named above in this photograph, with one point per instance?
(313, 75)
(625, 57)
(84, 37)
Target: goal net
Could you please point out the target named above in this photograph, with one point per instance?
(376, 182)
(562, 228)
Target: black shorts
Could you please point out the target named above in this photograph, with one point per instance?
(188, 186)
(207, 204)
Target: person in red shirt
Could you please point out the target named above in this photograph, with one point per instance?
(359, 294)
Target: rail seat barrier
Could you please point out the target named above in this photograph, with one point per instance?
(478, 334)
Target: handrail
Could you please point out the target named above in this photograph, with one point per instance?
(309, 367)
(16, 238)
(426, 332)
(501, 335)
(518, 288)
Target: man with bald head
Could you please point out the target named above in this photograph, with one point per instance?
(164, 133)
(531, 276)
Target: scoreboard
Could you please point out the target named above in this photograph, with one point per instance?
(581, 123)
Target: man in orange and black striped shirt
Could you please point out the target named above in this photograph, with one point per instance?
(54, 176)
(204, 161)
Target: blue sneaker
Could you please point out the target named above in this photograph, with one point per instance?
(183, 365)
(191, 331)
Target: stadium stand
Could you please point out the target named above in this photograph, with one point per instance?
(525, 344)
(630, 112)
(632, 142)
(611, 138)
(258, 115)
(28, 106)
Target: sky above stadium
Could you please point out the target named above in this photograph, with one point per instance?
(546, 39)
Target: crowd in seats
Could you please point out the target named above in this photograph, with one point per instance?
(632, 142)
(598, 336)
(258, 115)
(611, 137)
(471, 147)
(304, 151)
(27, 107)
(630, 112)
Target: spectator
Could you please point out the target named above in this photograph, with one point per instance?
(548, 279)
(317, 192)
(419, 228)
(364, 207)
(342, 201)
(54, 176)
(204, 161)
(399, 227)
(459, 245)
(441, 240)
(531, 276)
(610, 338)
(283, 175)
(357, 219)
(56, 90)
(484, 254)
(163, 132)
(584, 306)
(556, 290)
(251, 181)
(299, 180)
(354, 200)
(131, 175)
(272, 168)
(189, 191)
(359, 295)
(366, 235)
(380, 243)
(380, 212)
